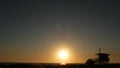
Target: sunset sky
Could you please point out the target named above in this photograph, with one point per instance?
(36, 30)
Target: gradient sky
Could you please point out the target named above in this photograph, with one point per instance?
(34, 30)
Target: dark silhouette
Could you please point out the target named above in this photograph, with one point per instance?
(53, 65)
(102, 58)
(90, 61)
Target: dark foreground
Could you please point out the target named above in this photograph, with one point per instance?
(52, 65)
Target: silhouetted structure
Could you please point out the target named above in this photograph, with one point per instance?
(91, 61)
(102, 58)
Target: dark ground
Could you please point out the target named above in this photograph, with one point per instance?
(53, 65)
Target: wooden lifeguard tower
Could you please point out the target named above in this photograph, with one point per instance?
(102, 58)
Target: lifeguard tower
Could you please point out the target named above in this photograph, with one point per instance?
(102, 58)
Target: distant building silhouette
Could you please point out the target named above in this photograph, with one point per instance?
(91, 61)
(102, 58)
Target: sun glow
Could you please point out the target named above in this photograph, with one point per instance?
(63, 54)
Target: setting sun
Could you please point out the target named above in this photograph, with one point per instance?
(63, 54)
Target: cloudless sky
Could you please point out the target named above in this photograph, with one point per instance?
(34, 30)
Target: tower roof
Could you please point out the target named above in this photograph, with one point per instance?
(102, 54)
